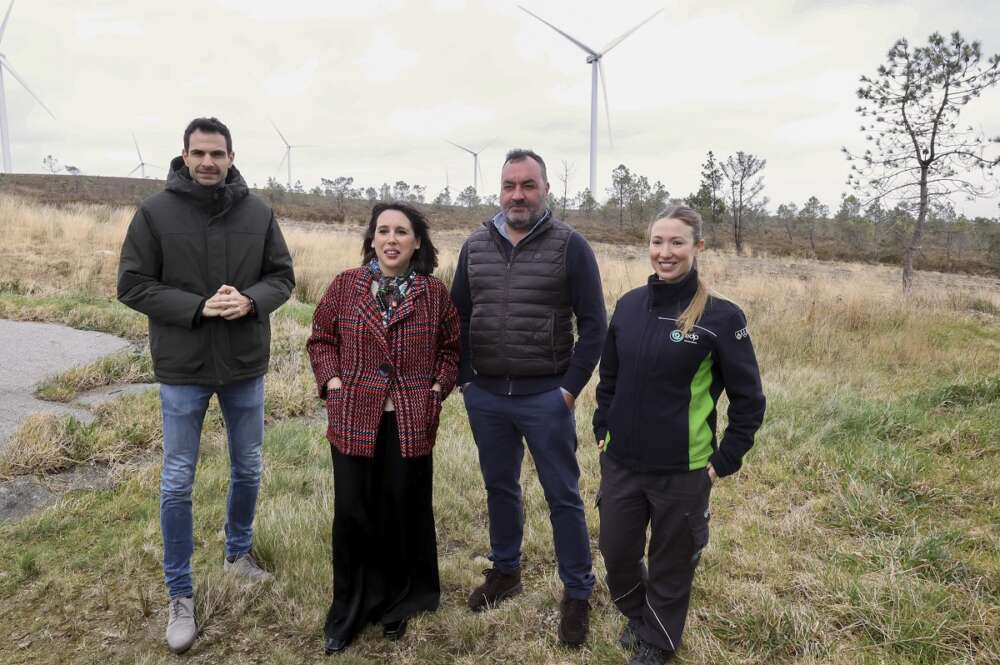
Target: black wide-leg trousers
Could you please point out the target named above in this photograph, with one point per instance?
(385, 565)
(653, 596)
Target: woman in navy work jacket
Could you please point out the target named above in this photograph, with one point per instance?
(672, 347)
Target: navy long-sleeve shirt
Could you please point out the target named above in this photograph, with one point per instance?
(587, 301)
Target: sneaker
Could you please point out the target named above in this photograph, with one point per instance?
(181, 629)
(629, 640)
(650, 655)
(574, 621)
(495, 588)
(246, 566)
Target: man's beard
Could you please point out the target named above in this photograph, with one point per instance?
(525, 224)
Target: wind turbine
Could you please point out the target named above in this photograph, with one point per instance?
(142, 164)
(8, 161)
(596, 72)
(288, 153)
(475, 163)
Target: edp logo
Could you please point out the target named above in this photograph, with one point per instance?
(678, 336)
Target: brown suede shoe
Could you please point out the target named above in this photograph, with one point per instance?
(574, 621)
(495, 588)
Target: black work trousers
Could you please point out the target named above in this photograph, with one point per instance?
(674, 506)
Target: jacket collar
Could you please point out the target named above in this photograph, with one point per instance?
(541, 226)
(662, 294)
(500, 221)
(218, 199)
(370, 313)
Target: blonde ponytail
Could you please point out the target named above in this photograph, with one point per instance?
(692, 313)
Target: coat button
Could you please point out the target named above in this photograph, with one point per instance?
(384, 370)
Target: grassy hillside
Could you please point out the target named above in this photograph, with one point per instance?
(864, 528)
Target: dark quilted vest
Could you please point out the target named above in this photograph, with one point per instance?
(522, 320)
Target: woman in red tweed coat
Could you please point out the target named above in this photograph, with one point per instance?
(384, 349)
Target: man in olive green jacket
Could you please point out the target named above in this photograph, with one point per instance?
(206, 262)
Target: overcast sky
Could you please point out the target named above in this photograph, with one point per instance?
(380, 86)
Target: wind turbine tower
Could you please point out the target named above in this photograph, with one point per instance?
(288, 153)
(596, 72)
(8, 161)
(475, 163)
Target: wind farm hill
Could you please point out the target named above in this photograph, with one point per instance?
(65, 189)
(970, 247)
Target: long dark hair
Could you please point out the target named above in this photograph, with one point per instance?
(425, 259)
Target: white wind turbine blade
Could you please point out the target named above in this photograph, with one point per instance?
(4, 62)
(135, 169)
(283, 139)
(461, 147)
(283, 158)
(3, 27)
(137, 147)
(607, 109)
(572, 39)
(619, 40)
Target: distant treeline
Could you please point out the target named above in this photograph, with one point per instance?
(952, 242)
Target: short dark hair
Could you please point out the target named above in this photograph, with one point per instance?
(518, 154)
(208, 126)
(425, 259)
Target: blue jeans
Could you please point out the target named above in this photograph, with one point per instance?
(545, 422)
(184, 409)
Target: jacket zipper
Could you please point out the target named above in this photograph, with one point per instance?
(216, 332)
(506, 298)
(506, 303)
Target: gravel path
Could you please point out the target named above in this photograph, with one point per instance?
(31, 352)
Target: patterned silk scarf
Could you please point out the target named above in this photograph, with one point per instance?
(389, 290)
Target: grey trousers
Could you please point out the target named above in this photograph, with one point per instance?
(654, 596)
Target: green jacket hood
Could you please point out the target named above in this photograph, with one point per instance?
(179, 181)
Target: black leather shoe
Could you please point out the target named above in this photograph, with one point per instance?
(629, 640)
(574, 622)
(395, 630)
(335, 645)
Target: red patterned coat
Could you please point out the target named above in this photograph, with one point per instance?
(402, 362)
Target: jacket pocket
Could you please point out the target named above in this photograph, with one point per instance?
(552, 343)
(246, 342)
(334, 411)
(434, 406)
(177, 350)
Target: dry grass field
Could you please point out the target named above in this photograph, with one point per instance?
(864, 527)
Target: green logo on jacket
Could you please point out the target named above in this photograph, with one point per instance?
(676, 336)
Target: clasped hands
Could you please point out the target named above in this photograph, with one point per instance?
(228, 303)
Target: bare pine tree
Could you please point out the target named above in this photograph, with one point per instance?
(621, 184)
(564, 175)
(711, 182)
(52, 164)
(741, 172)
(917, 152)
